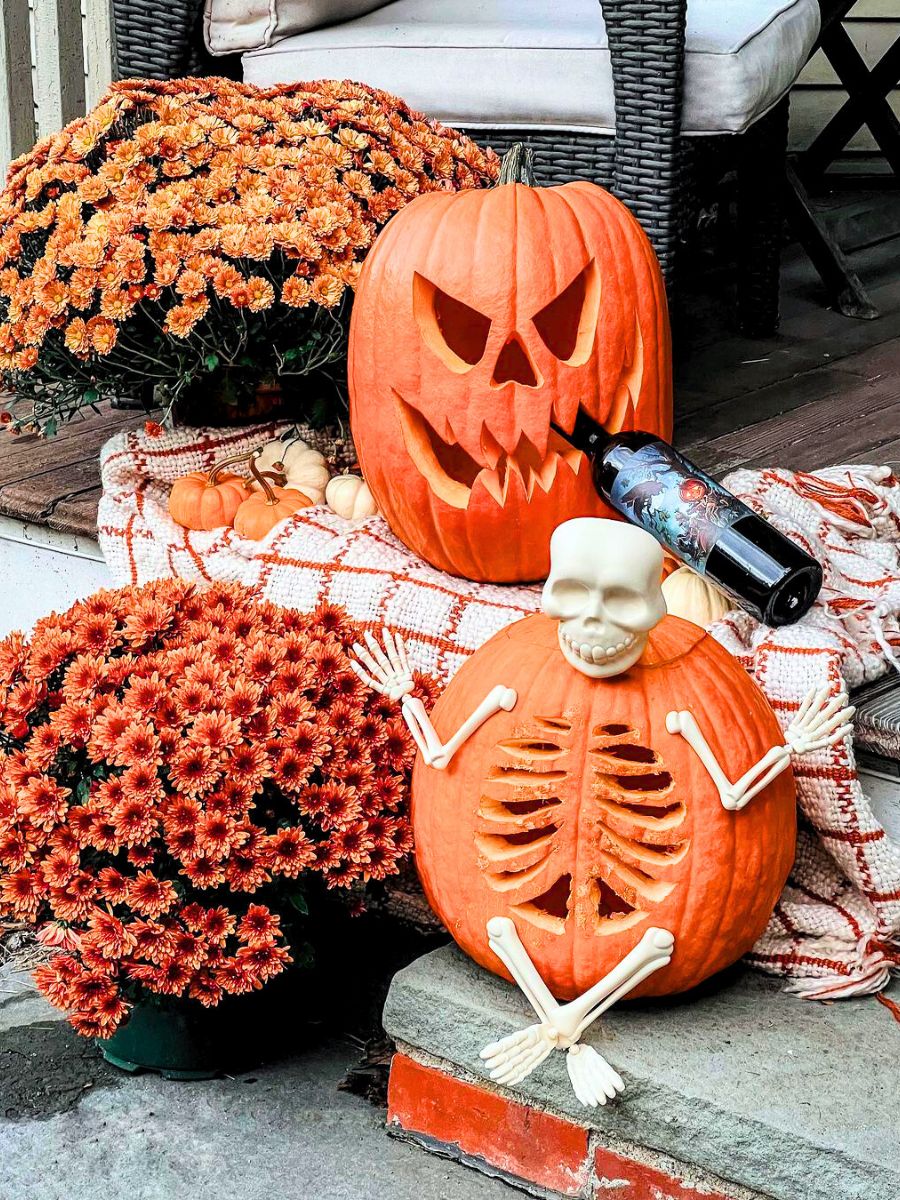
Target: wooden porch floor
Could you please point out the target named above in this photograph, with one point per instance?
(825, 390)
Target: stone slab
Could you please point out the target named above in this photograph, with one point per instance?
(794, 1099)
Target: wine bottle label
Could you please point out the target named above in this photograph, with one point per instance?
(682, 507)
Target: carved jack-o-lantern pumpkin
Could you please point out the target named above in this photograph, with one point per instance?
(581, 817)
(482, 320)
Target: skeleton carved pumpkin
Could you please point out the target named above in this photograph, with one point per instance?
(482, 320)
(578, 814)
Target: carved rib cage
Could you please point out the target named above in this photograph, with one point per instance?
(626, 822)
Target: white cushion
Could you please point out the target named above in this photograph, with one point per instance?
(233, 26)
(541, 63)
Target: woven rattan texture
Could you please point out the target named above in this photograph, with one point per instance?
(158, 41)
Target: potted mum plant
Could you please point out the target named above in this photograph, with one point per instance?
(182, 772)
(199, 239)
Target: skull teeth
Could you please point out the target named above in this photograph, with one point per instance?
(599, 651)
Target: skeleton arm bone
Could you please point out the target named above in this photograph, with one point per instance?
(387, 671)
(818, 723)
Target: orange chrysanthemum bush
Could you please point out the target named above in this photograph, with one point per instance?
(180, 770)
(204, 228)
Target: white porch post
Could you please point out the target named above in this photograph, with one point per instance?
(99, 48)
(16, 97)
(59, 63)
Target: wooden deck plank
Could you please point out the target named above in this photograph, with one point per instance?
(852, 425)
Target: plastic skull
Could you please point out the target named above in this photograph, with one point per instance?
(604, 589)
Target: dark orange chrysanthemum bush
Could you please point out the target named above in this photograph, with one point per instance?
(175, 764)
(186, 228)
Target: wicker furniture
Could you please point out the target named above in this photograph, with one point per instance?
(648, 163)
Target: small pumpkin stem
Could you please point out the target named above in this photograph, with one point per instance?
(261, 478)
(518, 165)
(278, 474)
(226, 462)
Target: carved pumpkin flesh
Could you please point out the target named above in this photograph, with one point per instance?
(482, 320)
(581, 818)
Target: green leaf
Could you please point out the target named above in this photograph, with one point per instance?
(299, 902)
(211, 361)
(50, 427)
(304, 956)
(91, 396)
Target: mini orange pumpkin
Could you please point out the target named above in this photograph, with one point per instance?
(579, 816)
(208, 499)
(263, 510)
(482, 320)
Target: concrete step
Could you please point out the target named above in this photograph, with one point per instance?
(744, 1090)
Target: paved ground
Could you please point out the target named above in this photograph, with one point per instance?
(74, 1128)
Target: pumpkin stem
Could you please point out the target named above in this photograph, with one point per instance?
(518, 165)
(226, 462)
(263, 481)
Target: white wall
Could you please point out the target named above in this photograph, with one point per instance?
(43, 572)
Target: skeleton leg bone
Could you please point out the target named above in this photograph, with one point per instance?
(514, 1057)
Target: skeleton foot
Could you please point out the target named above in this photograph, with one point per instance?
(514, 1057)
(593, 1080)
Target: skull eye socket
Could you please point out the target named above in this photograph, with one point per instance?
(456, 332)
(624, 606)
(567, 324)
(566, 597)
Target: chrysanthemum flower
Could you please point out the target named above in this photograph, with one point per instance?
(193, 770)
(150, 896)
(198, 744)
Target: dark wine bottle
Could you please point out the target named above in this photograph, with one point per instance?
(700, 522)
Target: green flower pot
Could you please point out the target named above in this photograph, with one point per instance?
(179, 1039)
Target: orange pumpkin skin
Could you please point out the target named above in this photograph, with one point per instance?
(197, 503)
(482, 319)
(258, 515)
(676, 859)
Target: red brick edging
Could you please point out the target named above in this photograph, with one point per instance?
(528, 1146)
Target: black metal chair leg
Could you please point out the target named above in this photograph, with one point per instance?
(760, 178)
(843, 284)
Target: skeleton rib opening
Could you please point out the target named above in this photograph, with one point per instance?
(658, 781)
(508, 881)
(629, 752)
(550, 909)
(499, 773)
(528, 749)
(531, 813)
(555, 724)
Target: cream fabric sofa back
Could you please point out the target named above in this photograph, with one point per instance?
(235, 26)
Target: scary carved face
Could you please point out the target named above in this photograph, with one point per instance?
(482, 322)
(604, 590)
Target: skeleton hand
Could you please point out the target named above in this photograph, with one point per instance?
(388, 669)
(819, 722)
(594, 1081)
(514, 1057)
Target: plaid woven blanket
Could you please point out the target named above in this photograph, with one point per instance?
(836, 930)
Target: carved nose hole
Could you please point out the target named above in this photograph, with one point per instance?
(514, 365)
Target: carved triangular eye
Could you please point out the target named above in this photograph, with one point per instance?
(456, 332)
(567, 324)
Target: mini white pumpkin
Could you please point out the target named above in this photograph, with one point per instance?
(349, 497)
(694, 598)
(303, 468)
